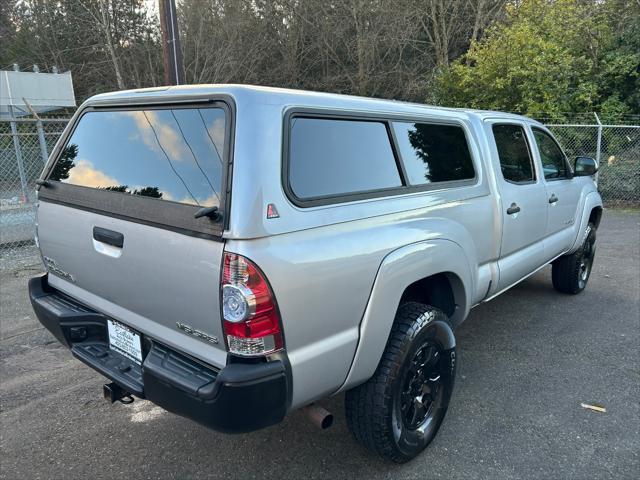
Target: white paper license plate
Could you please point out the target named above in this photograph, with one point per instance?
(124, 341)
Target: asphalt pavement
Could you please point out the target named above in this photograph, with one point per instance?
(527, 360)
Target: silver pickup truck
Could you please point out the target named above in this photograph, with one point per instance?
(233, 253)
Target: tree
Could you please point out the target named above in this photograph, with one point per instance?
(65, 163)
(107, 44)
(551, 57)
(364, 47)
(149, 192)
(531, 56)
(153, 192)
(619, 72)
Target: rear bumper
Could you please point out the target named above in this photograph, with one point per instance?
(241, 397)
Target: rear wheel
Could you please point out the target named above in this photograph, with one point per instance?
(399, 410)
(570, 273)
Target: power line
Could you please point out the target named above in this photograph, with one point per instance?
(194, 156)
(209, 135)
(155, 134)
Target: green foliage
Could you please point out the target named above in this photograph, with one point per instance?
(540, 56)
(552, 57)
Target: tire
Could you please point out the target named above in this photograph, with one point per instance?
(570, 273)
(394, 414)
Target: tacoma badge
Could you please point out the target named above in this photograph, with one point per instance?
(197, 333)
(55, 268)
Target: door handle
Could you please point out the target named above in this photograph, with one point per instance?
(513, 209)
(109, 237)
(553, 198)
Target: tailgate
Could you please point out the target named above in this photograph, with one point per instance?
(116, 221)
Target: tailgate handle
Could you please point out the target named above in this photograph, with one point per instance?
(108, 236)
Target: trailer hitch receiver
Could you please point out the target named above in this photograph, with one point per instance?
(114, 393)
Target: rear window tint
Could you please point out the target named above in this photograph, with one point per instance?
(433, 153)
(168, 154)
(513, 151)
(329, 157)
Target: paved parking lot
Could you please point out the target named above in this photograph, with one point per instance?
(528, 360)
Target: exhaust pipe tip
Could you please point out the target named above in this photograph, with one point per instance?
(327, 422)
(319, 416)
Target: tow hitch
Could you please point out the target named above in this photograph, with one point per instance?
(114, 393)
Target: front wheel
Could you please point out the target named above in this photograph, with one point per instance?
(570, 273)
(399, 410)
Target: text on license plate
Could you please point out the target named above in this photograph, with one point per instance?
(124, 341)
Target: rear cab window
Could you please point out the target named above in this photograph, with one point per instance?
(334, 160)
(516, 163)
(171, 158)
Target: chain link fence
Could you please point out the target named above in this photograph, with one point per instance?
(24, 147)
(25, 144)
(617, 150)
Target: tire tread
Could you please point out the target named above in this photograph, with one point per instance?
(368, 405)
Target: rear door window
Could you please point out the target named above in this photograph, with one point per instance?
(514, 154)
(334, 157)
(172, 154)
(433, 153)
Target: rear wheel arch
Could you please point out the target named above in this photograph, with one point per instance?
(444, 290)
(437, 269)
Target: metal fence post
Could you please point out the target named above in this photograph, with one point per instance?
(18, 150)
(599, 140)
(43, 144)
(596, 177)
(40, 128)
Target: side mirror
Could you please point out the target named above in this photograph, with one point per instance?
(585, 167)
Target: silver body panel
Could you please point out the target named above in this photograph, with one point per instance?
(160, 278)
(337, 271)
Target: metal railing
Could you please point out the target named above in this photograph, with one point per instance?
(25, 145)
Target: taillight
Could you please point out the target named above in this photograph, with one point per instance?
(250, 317)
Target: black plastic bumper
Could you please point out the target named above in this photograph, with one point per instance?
(239, 398)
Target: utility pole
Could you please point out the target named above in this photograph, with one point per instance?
(171, 53)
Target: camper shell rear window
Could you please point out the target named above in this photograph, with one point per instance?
(155, 165)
